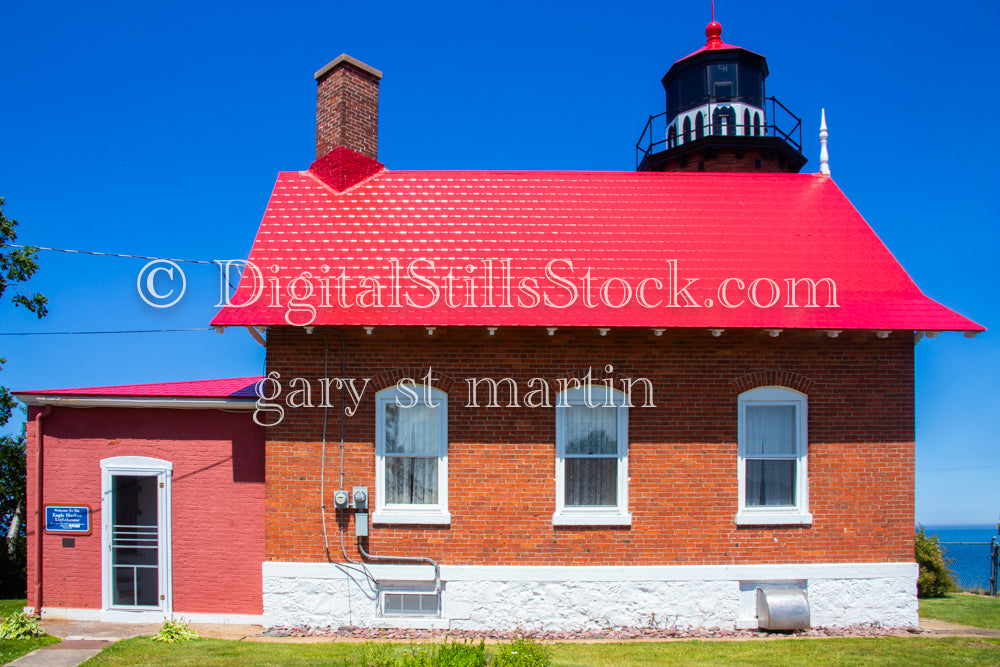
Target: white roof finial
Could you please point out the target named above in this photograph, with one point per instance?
(824, 155)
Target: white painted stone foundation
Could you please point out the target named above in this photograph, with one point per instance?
(587, 598)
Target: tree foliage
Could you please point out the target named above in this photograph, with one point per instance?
(934, 579)
(17, 265)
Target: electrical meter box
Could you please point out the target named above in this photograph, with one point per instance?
(360, 496)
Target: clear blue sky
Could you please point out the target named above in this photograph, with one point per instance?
(159, 128)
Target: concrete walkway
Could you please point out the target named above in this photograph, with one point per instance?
(945, 629)
(82, 640)
(67, 653)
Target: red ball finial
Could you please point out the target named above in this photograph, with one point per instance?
(714, 33)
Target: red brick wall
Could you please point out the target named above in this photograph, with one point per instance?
(682, 454)
(217, 502)
(728, 159)
(347, 110)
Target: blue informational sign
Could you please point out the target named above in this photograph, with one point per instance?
(67, 519)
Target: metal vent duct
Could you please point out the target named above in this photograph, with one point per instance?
(782, 608)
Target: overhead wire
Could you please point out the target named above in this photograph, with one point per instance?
(104, 254)
(89, 333)
(100, 253)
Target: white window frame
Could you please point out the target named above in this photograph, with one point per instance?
(409, 588)
(399, 513)
(617, 515)
(163, 471)
(797, 514)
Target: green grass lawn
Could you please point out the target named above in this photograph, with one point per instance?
(908, 651)
(965, 608)
(11, 649)
(813, 652)
(15, 648)
(10, 606)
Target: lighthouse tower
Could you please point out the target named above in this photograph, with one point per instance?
(718, 116)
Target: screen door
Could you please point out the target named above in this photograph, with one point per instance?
(136, 508)
(135, 541)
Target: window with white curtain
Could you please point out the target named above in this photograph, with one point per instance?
(411, 456)
(772, 457)
(591, 458)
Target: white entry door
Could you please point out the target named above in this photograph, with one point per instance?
(135, 512)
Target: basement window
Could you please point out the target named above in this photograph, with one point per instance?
(403, 599)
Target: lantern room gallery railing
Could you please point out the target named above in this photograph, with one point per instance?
(779, 121)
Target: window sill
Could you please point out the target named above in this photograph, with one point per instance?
(413, 518)
(790, 518)
(591, 519)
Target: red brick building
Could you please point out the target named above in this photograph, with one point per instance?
(173, 478)
(534, 399)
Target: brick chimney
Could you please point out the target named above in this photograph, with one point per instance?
(347, 107)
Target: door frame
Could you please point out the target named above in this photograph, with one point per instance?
(142, 466)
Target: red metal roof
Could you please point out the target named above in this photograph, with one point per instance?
(223, 388)
(722, 46)
(624, 227)
(713, 31)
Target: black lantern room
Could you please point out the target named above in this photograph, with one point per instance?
(718, 117)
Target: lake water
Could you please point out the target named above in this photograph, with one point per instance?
(971, 561)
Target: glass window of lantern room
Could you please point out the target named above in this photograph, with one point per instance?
(751, 85)
(722, 80)
(692, 87)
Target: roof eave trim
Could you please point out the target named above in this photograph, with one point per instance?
(137, 402)
(976, 328)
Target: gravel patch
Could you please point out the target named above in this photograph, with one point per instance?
(612, 634)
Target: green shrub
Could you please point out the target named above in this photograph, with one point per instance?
(465, 654)
(377, 654)
(418, 658)
(935, 578)
(175, 631)
(448, 654)
(20, 626)
(521, 653)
